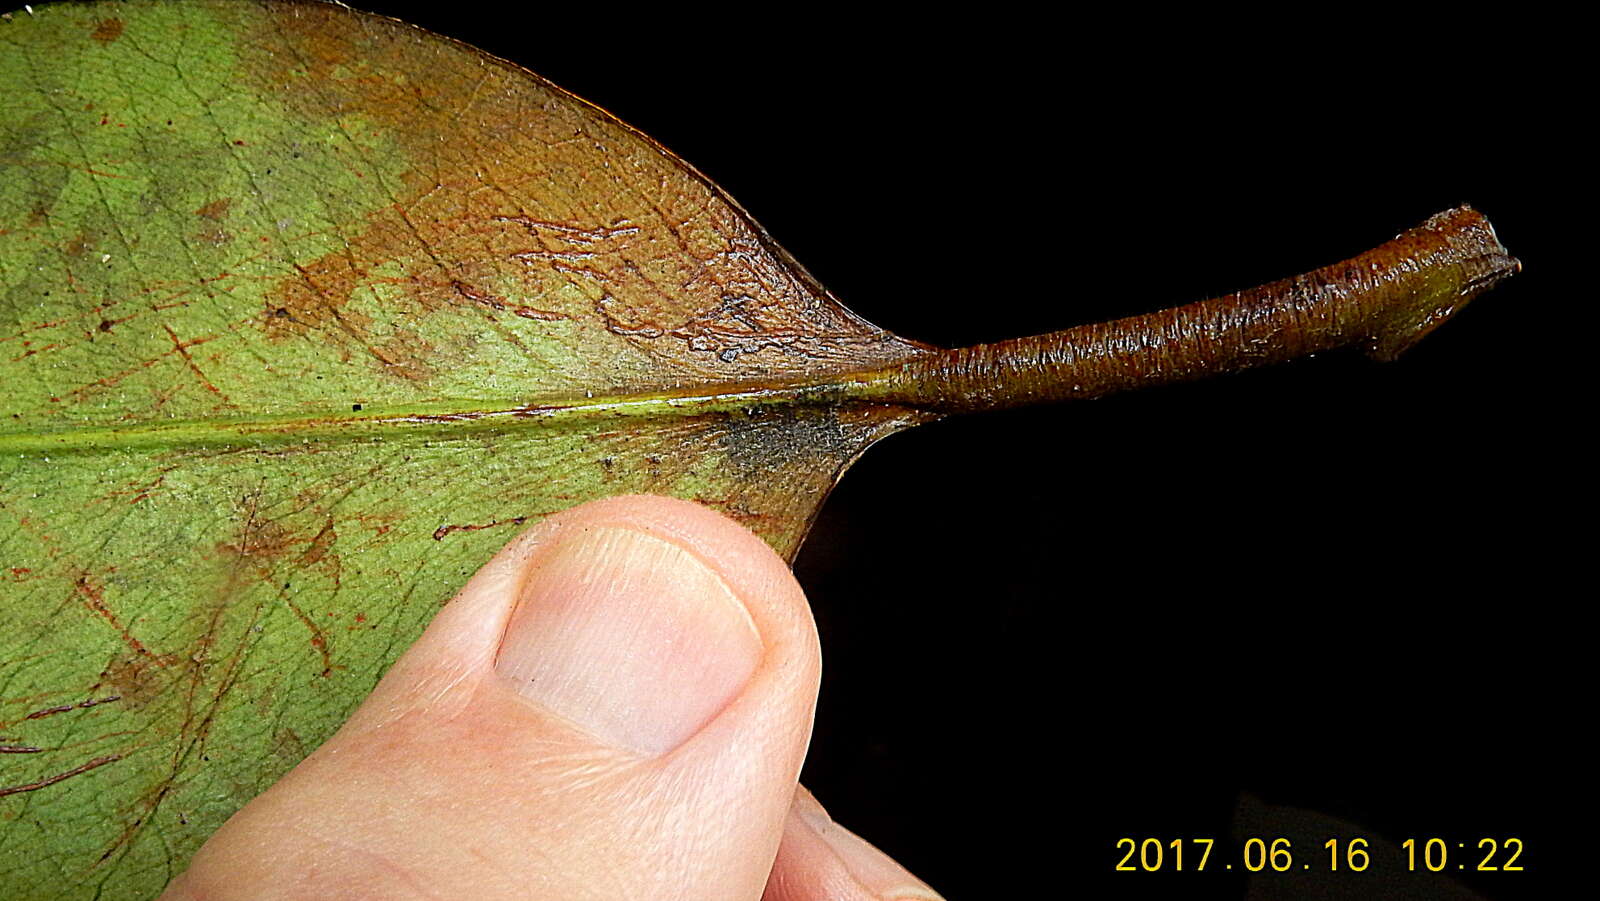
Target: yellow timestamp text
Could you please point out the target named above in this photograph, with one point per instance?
(1255, 855)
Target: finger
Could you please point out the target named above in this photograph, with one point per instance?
(616, 706)
(820, 860)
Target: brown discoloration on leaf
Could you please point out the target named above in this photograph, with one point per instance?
(261, 543)
(406, 354)
(288, 746)
(375, 523)
(320, 544)
(139, 679)
(313, 301)
(212, 232)
(309, 62)
(78, 245)
(275, 552)
(316, 303)
(216, 210)
(546, 210)
(108, 30)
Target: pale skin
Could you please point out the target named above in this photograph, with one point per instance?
(669, 772)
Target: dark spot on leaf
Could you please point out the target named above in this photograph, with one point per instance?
(775, 439)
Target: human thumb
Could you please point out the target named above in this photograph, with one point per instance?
(616, 706)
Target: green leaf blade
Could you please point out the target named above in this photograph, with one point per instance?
(303, 313)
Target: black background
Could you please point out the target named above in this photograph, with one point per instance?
(1333, 585)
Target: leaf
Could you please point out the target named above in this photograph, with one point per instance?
(304, 312)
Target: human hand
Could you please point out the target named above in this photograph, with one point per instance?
(615, 707)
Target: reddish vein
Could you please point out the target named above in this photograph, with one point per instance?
(75, 771)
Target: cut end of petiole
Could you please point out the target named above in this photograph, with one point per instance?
(1383, 302)
(1459, 257)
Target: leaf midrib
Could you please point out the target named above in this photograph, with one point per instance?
(438, 419)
